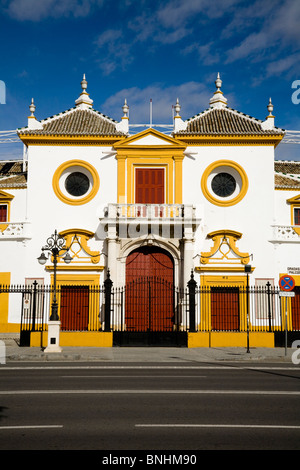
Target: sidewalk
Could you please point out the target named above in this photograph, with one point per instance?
(138, 355)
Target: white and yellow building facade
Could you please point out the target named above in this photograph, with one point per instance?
(208, 196)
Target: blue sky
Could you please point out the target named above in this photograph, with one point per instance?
(142, 50)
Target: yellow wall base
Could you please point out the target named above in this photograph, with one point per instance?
(230, 339)
(9, 328)
(77, 339)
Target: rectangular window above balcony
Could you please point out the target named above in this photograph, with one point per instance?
(149, 186)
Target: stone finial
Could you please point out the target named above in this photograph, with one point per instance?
(179, 124)
(32, 107)
(218, 100)
(177, 107)
(33, 123)
(123, 125)
(270, 107)
(269, 123)
(125, 109)
(84, 101)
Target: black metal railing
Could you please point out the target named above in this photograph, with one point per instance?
(154, 304)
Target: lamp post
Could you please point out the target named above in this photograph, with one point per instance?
(55, 247)
(247, 271)
(55, 244)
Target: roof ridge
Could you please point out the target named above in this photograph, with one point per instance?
(76, 109)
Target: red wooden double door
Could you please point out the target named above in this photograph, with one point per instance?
(149, 301)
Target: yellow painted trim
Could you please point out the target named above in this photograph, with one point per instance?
(80, 236)
(92, 280)
(227, 202)
(5, 198)
(66, 140)
(219, 269)
(216, 339)
(229, 140)
(99, 339)
(295, 204)
(170, 141)
(208, 281)
(9, 327)
(73, 268)
(69, 200)
(131, 156)
(4, 298)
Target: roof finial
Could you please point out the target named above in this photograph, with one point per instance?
(32, 107)
(33, 123)
(125, 108)
(270, 107)
(83, 83)
(177, 107)
(218, 100)
(84, 101)
(218, 82)
(269, 123)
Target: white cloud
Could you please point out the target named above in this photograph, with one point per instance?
(34, 10)
(193, 98)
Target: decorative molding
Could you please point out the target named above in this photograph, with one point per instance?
(224, 251)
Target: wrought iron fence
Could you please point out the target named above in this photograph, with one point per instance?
(164, 307)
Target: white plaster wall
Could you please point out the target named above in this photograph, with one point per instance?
(47, 212)
(252, 216)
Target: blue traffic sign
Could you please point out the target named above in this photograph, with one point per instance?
(286, 283)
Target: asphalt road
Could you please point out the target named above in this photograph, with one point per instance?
(149, 407)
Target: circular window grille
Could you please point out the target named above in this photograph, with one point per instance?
(77, 184)
(223, 184)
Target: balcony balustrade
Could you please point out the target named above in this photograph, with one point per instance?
(14, 230)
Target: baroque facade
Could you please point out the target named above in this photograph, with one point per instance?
(206, 198)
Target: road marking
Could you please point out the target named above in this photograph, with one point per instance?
(133, 376)
(152, 392)
(46, 426)
(200, 367)
(256, 426)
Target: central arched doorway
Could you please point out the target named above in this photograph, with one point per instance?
(150, 297)
(149, 290)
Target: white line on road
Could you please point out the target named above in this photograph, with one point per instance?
(256, 426)
(152, 392)
(133, 376)
(198, 367)
(46, 426)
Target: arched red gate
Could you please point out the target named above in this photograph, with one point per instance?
(149, 301)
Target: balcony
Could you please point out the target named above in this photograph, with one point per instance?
(151, 213)
(285, 233)
(139, 220)
(14, 231)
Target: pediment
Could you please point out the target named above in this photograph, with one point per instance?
(294, 200)
(150, 138)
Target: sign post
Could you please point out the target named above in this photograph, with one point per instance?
(286, 284)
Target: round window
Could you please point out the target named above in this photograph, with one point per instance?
(77, 184)
(223, 184)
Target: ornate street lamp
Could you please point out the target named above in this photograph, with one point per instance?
(56, 247)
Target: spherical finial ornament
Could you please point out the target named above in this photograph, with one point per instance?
(84, 83)
(270, 107)
(218, 82)
(177, 107)
(32, 107)
(125, 108)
